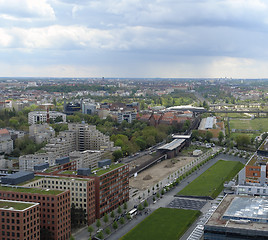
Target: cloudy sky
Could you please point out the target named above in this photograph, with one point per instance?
(134, 38)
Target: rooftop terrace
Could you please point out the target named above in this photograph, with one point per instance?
(15, 205)
(31, 190)
(101, 171)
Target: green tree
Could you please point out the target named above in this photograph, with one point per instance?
(125, 206)
(112, 214)
(209, 135)
(115, 225)
(242, 140)
(107, 231)
(220, 137)
(140, 207)
(195, 134)
(90, 229)
(98, 223)
(100, 235)
(117, 154)
(122, 220)
(145, 204)
(72, 237)
(105, 218)
(158, 195)
(162, 192)
(119, 210)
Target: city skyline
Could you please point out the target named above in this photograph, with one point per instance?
(173, 39)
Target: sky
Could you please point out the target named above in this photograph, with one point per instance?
(134, 38)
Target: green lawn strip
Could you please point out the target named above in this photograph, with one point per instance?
(101, 171)
(190, 149)
(164, 223)
(210, 183)
(31, 190)
(254, 124)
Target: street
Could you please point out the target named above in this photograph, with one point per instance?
(168, 197)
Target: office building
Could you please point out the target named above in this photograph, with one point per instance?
(55, 220)
(238, 217)
(19, 220)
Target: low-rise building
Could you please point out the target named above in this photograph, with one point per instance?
(238, 217)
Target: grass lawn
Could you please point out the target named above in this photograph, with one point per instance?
(233, 115)
(210, 183)
(254, 124)
(189, 150)
(164, 223)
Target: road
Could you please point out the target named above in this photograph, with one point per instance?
(82, 234)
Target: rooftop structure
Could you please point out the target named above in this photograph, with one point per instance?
(172, 145)
(209, 122)
(19, 220)
(17, 178)
(240, 217)
(252, 209)
(15, 205)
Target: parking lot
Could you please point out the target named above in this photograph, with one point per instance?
(187, 203)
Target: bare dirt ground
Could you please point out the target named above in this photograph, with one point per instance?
(156, 173)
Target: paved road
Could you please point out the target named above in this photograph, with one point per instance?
(163, 202)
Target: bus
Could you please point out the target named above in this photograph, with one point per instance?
(133, 212)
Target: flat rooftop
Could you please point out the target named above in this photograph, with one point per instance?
(172, 145)
(101, 171)
(235, 212)
(15, 205)
(257, 160)
(264, 145)
(253, 209)
(31, 190)
(209, 123)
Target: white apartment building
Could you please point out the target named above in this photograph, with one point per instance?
(61, 145)
(126, 116)
(41, 132)
(27, 162)
(86, 159)
(88, 137)
(41, 116)
(6, 143)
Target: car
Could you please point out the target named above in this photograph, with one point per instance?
(154, 201)
(100, 230)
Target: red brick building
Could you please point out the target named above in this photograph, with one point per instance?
(55, 220)
(19, 220)
(111, 188)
